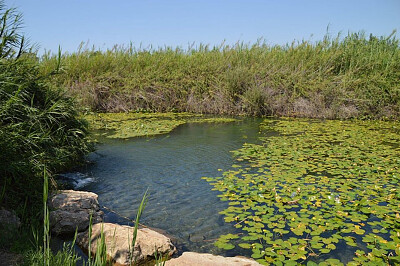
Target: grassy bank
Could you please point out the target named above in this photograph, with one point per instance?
(342, 77)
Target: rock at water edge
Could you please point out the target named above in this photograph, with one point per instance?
(118, 239)
(70, 210)
(204, 259)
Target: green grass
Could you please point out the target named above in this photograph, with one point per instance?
(39, 129)
(337, 77)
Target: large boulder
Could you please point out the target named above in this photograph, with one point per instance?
(118, 240)
(9, 219)
(9, 224)
(70, 210)
(203, 259)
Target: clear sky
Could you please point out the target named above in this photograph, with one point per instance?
(103, 24)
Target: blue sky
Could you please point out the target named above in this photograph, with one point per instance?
(103, 24)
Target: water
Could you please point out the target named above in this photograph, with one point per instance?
(170, 167)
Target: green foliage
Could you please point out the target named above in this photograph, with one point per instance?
(135, 230)
(39, 128)
(12, 43)
(65, 257)
(347, 76)
(313, 186)
(46, 221)
(42, 255)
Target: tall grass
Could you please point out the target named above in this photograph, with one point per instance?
(142, 205)
(42, 255)
(39, 125)
(39, 128)
(40, 134)
(46, 221)
(342, 76)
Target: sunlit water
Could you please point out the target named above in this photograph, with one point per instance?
(170, 167)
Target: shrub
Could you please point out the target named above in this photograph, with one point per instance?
(39, 126)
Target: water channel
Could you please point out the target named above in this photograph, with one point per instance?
(170, 167)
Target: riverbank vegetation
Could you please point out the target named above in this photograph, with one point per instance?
(338, 77)
(40, 132)
(283, 193)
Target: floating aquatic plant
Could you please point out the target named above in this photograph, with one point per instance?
(314, 187)
(128, 125)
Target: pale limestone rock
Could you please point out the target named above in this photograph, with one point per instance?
(70, 210)
(118, 239)
(204, 259)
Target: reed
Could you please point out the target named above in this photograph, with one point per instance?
(39, 128)
(134, 234)
(337, 77)
(46, 221)
(40, 134)
(42, 254)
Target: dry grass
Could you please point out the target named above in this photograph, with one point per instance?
(342, 77)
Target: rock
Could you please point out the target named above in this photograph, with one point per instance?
(73, 180)
(9, 258)
(9, 224)
(8, 218)
(118, 239)
(203, 259)
(70, 210)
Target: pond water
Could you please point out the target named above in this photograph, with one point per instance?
(171, 166)
(298, 191)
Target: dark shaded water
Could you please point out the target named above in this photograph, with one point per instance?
(170, 167)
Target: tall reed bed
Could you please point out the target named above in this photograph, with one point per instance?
(39, 129)
(40, 132)
(337, 77)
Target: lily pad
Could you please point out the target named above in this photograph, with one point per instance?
(320, 183)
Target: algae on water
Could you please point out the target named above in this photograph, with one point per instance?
(128, 125)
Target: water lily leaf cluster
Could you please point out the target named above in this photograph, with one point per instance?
(128, 125)
(314, 189)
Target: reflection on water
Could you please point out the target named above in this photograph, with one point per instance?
(170, 167)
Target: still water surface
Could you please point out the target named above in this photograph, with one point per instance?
(170, 167)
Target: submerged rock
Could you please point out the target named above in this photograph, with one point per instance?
(70, 210)
(204, 259)
(118, 239)
(73, 180)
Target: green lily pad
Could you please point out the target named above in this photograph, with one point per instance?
(321, 183)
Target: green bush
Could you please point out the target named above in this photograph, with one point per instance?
(39, 126)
